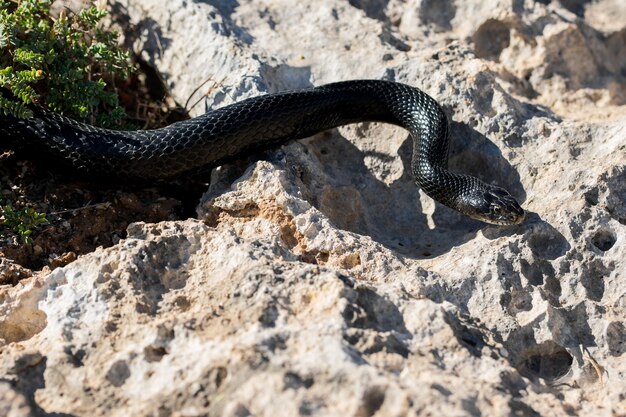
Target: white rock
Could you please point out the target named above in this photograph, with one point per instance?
(322, 282)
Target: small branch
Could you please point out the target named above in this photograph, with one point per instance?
(88, 206)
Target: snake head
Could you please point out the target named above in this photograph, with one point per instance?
(493, 205)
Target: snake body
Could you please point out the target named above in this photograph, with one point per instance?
(262, 122)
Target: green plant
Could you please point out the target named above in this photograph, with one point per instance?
(21, 221)
(61, 62)
(66, 62)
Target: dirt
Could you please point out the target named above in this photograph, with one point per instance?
(83, 215)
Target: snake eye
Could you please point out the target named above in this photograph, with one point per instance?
(496, 209)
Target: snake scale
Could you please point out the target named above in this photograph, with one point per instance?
(262, 122)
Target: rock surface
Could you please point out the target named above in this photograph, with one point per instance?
(318, 280)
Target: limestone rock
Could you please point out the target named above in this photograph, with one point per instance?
(318, 280)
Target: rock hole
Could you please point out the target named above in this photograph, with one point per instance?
(350, 261)
(372, 311)
(269, 316)
(160, 268)
(373, 399)
(604, 239)
(469, 405)
(616, 338)
(575, 6)
(518, 300)
(592, 197)
(438, 13)
(547, 360)
(444, 391)
(616, 187)
(182, 303)
(220, 375)
(75, 356)
(548, 243)
(592, 278)
(154, 353)
(294, 381)
(467, 334)
(22, 324)
(118, 373)
(322, 257)
(216, 377)
(491, 38)
(374, 9)
(307, 408)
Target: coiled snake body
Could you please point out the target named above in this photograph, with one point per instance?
(259, 123)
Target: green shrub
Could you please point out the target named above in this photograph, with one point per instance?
(21, 221)
(61, 62)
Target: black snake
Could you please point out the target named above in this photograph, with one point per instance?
(259, 123)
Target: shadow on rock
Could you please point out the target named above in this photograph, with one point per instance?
(30, 369)
(474, 154)
(375, 324)
(544, 240)
(340, 185)
(229, 27)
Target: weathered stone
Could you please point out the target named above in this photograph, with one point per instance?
(319, 280)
